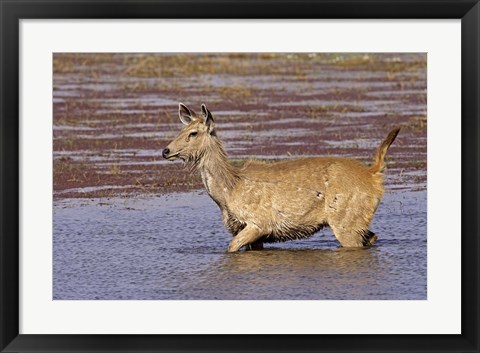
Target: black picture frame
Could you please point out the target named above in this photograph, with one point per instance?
(12, 11)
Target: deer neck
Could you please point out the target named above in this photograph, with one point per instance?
(218, 175)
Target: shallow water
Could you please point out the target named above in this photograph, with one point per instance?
(173, 247)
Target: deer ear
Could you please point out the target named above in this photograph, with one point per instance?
(185, 114)
(208, 117)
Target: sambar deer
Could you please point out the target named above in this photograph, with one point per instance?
(271, 202)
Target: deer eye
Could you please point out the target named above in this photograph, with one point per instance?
(193, 134)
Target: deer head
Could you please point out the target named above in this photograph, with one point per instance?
(195, 137)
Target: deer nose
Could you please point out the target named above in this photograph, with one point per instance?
(165, 152)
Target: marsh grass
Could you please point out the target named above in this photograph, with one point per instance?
(96, 108)
(186, 65)
(321, 111)
(417, 123)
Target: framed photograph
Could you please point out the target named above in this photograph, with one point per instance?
(234, 176)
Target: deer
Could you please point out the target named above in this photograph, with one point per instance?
(267, 202)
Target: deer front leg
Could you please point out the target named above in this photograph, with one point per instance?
(248, 235)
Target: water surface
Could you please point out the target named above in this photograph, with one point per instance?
(173, 247)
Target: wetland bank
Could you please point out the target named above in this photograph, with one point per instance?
(129, 225)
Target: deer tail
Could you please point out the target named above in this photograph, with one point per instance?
(379, 164)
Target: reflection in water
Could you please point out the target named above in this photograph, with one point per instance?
(284, 274)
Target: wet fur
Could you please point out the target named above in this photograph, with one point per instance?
(287, 200)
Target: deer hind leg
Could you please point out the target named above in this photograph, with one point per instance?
(348, 238)
(249, 235)
(354, 238)
(350, 218)
(369, 238)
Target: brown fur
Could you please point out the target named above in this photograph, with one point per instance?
(271, 202)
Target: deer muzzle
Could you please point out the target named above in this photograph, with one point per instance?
(165, 153)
